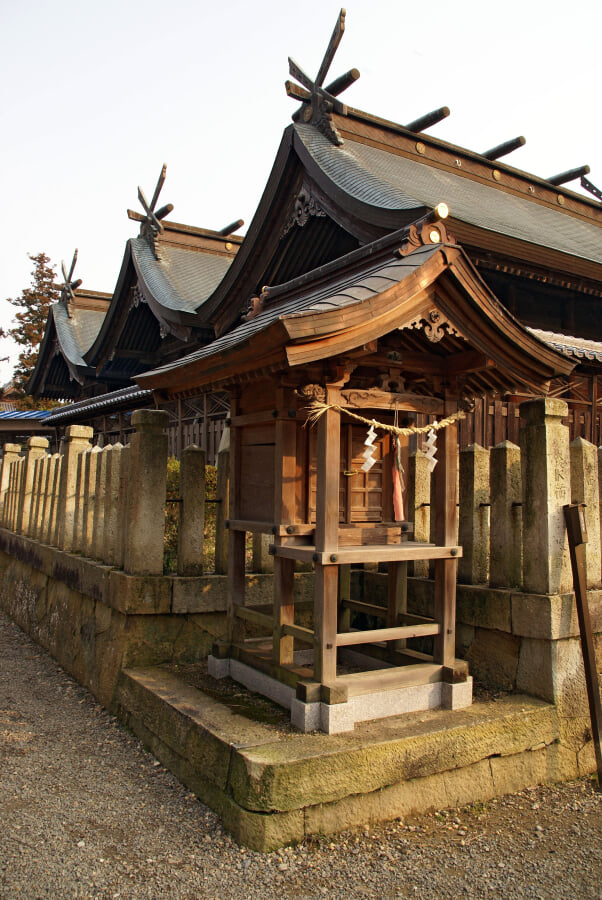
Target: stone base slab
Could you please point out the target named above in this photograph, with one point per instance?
(339, 717)
(273, 787)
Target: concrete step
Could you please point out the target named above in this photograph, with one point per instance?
(274, 786)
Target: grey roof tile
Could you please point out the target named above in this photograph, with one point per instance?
(388, 181)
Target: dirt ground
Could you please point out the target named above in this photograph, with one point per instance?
(88, 813)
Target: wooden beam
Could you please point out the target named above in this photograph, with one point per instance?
(350, 638)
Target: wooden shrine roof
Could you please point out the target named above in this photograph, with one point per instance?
(385, 170)
(367, 295)
(70, 331)
(174, 274)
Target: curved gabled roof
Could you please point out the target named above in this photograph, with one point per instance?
(382, 178)
(174, 275)
(70, 331)
(365, 297)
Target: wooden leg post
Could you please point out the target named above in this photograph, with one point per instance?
(445, 528)
(325, 624)
(284, 610)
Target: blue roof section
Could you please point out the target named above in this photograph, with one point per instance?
(31, 414)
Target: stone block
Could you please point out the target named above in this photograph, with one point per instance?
(484, 607)
(143, 595)
(218, 668)
(544, 616)
(513, 773)
(458, 695)
(466, 783)
(305, 716)
(323, 768)
(553, 670)
(204, 593)
(493, 657)
(336, 718)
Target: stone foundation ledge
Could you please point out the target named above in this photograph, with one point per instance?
(139, 594)
(339, 717)
(274, 787)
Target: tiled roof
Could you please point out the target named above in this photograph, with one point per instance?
(131, 396)
(380, 178)
(578, 348)
(76, 333)
(181, 279)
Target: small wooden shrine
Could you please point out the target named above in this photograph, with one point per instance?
(325, 378)
(350, 323)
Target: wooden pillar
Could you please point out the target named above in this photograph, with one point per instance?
(285, 485)
(236, 539)
(445, 529)
(327, 529)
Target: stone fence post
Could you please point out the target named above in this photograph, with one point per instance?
(9, 456)
(77, 438)
(146, 494)
(223, 503)
(505, 535)
(474, 515)
(36, 448)
(191, 530)
(90, 466)
(584, 489)
(50, 489)
(111, 514)
(544, 442)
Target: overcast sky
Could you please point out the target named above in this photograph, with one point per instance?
(95, 97)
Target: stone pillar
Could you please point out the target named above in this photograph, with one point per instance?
(98, 528)
(419, 506)
(111, 512)
(36, 447)
(37, 500)
(584, 489)
(90, 464)
(50, 499)
(14, 500)
(223, 504)
(474, 515)
(544, 443)
(78, 515)
(9, 456)
(147, 490)
(77, 438)
(263, 562)
(192, 511)
(122, 509)
(505, 535)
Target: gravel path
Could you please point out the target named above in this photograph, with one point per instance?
(87, 813)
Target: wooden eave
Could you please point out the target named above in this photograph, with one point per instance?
(103, 346)
(265, 352)
(481, 241)
(446, 281)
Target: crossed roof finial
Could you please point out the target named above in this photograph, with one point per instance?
(320, 102)
(69, 287)
(151, 220)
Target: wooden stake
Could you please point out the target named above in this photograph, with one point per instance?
(577, 535)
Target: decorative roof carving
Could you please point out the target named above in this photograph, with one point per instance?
(69, 287)
(150, 222)
(305, 207)
(425, 234)
(318, 102)
(433, 324)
